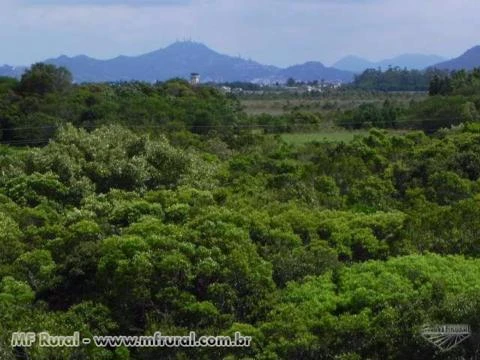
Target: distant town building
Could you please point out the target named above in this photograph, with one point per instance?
(194, 78)
(226, 89)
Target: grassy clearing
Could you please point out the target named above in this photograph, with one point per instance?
(279, 106)
(333, 136)
(322, 136)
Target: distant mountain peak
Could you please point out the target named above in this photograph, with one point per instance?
(353, 58)
(182, 58)
(409, 60)
(475, 49)
(67, 58)
(12, 71)
(468, 60)
(353, 63)
(313, 63)
(187, 44)
(315, 70)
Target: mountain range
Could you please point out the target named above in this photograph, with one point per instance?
(410, 61)
(12, 71)
(182, 58)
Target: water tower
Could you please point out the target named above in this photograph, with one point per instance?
(194, 78)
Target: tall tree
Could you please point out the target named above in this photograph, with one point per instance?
(42, 79)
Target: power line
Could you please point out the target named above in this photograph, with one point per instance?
(311, 126)
(43, 141)
(337, 123)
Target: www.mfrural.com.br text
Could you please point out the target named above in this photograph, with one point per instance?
(45, 339)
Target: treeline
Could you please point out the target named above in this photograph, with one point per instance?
(457, 83)
(454, 99)
(45, 98)
(396, 79)
(435, 81)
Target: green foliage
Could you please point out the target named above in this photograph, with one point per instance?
(10, 240)
(395, 79)
(323, 250)
(42, 79)
(457, 83)
(7, 84)
(453, 100)
(111, 157)
(369, 115)
(373, 309)
(46, 99)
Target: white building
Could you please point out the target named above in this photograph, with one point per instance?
(194, 78)
(226, 89)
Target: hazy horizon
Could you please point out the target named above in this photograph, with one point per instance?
(275, 32)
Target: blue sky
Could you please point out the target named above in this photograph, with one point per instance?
(278, 32)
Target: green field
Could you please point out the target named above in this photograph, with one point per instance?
(322, 136)
(279, 106)
(332, 136)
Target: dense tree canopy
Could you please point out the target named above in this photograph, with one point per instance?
(117, 233)
(42, 79)
(395, 79)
